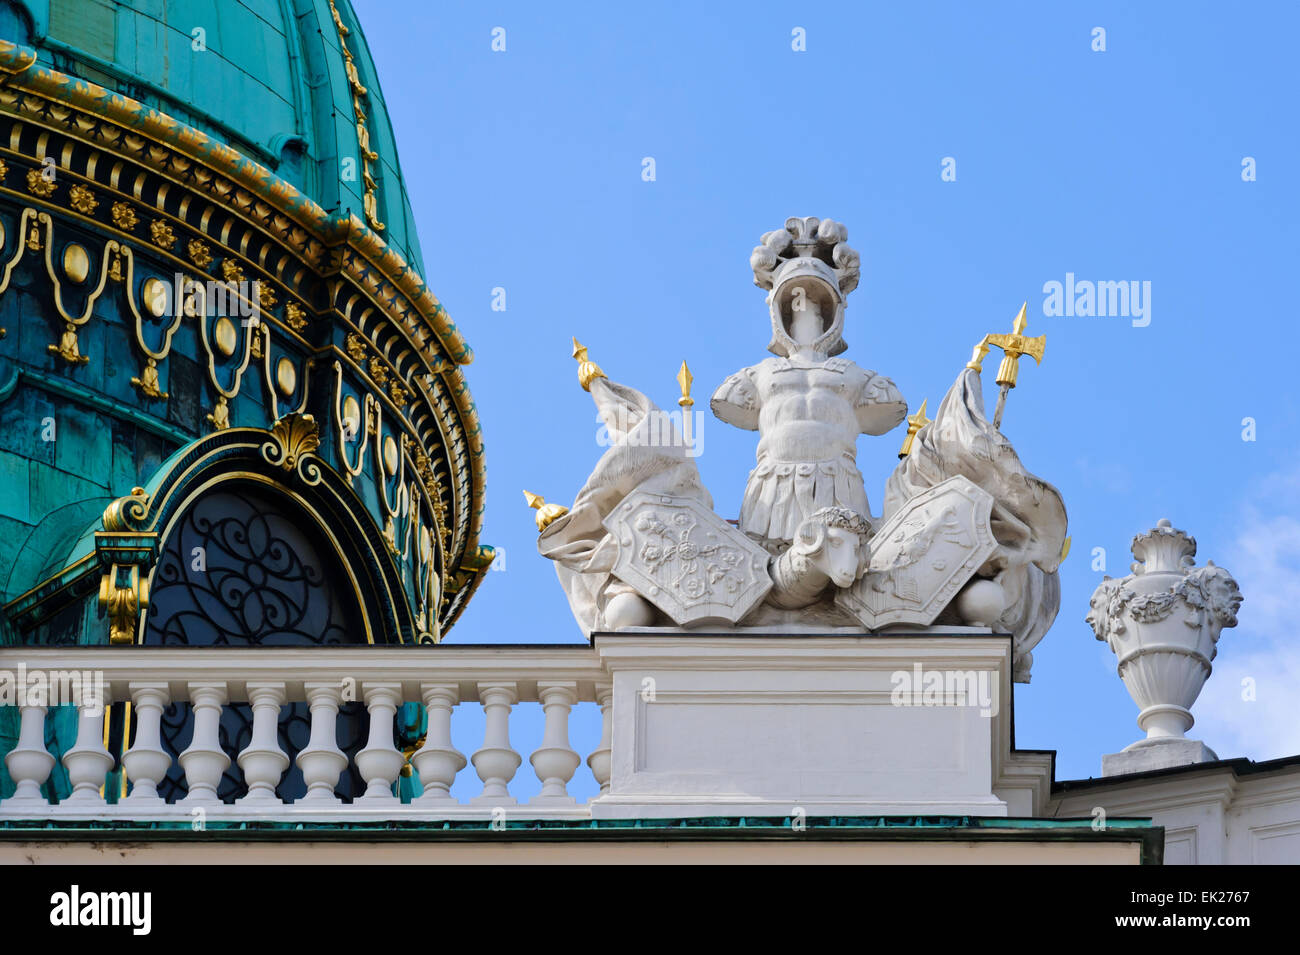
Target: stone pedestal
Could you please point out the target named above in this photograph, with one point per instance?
(1143, 756)
(778, 725)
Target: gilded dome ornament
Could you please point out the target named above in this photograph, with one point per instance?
(124, 216)
(294, 315)
(67, 347)
(82, 199)
(162, 234)
(39, 185)
(76, 263)
(225, 336)
(294, 441)
(286, 377)
(148, 384)
(155, 297)
(220, 416)
(266, 295)
(199, 253)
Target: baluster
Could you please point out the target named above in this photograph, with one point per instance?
(204, 761)
(88, 762)
(29, 763)
(555, 761)
(146, 762)
(322, 762)
(495, 762)
(381, 761)
(438, 761)
(262, 761)
(599, 760)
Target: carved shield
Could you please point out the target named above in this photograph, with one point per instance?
(686, 560)
(923, 555)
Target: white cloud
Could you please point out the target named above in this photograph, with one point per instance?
(1265, 646)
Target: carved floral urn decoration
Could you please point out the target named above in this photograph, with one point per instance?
(1163, 622)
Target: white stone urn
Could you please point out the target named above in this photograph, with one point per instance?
(1162, 622)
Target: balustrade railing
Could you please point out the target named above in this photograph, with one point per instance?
(211, 679)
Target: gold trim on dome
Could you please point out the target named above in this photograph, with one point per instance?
(249, 214)
(101, 118)
(110, 248)
(355, 426)
(370, 200)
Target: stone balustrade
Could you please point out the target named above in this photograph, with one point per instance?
(209, 679)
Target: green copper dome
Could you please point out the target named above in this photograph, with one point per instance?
(269, 78)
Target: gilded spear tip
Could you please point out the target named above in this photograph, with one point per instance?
(1021, 320)
(684, 378)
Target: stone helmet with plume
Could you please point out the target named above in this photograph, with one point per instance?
(813, 254)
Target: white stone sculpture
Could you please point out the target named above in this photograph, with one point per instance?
(923, 555)
(807, 405)
(1163, 622)
(1028, 519)
(968, 536)
(646, 454)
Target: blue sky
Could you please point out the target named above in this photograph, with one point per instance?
(525, 171)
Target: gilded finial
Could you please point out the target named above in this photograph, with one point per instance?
(588, 370)
(914, 424)
(546, 513)
(684, 378)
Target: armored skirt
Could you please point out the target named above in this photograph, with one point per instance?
(780, 494)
